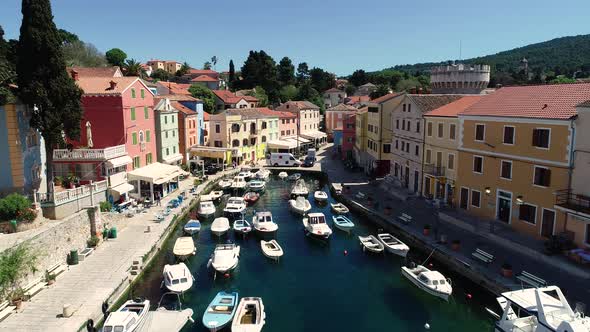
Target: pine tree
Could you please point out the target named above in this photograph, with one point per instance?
(43, 81)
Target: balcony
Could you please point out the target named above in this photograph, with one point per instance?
(89, 154)
(433, 170)
(68, 195)
(568, 200)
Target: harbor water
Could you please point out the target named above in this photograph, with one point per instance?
(317, 285)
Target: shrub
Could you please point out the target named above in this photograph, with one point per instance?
(12, 204)
(105, 206)
(93, 241)
(15, 263)
(27, 215)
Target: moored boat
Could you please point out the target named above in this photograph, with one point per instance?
(242, 226)
(432, 282)
(271, 249)
(316, 226)
(343, 223)
(177, 278)
(225, 257)
(294, 177)
(128, 317)
(224, 184)
(251, 197)
(300, 188)
(234, 206)
(283, 175)
(239, 182)
(262, 174)
(206, 209)
(393, 245)
(257, 185)
(216, 195)
(372, 244)
(220, 226)
(193, 226)
(184, 247)
(263, 223)
(320, 196)
(300, 205)
(220, 311)
(246, 172)
(250, 315)
(339, 208)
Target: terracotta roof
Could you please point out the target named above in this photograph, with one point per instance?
(102, 85)
(341, 108)
(298, 105)
(179, 97)
(454, 108)
(206, 116)
(227, 96)
(203, 78)
(202, 72)
(251, 98)
(357, 99)
(556, 101)
(252, 113)
(333, 90)
(427, 103)
(113, 71)
(386, 97)
(279, 114)
(181, 108)
(176, 88)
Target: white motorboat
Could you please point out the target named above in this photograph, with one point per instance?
(257, 185)
(239, 182)
(184, 247)
(177, 278)
(242, 226)
(283, 175)
(371, 243)
(300, 188)
(538, 310)
(225, 257)
(393, 245)
(432, 282)
(271, 249)
(300, 205)
(339, 208)
(193, 226)
(263, 223)
(220, 226)
(250, 315)
(224, 184)
(316, 226)
(246, 172)
(215, 195)
(235, 206)
(206, 209)
(262, 174)
(320, 196)
(128, 317)
(169, 316)
(294, 177)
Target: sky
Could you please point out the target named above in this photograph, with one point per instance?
(337, 35)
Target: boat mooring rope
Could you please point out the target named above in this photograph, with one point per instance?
(433, 250)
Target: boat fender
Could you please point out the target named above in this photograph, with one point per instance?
(90, 326)
(105, 307)
(345, 252)
(427, 326)
(469, 296)
(226, 275)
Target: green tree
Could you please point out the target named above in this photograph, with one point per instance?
(359, 77)
(184, 69)
(116, 57)
(302, 73)
(161, 75)
(82, 54)
(382, 90)
(562, 79)
(43, 82)
(288, 92)
(7, 70)
(133, 68)
(205, 94)
(207, 65)
(321, 80)
(260, 94)
(12, 204)
(260, 69)
(214, 60)
(307, 92)
(67, 37)
(350, 89)
(286, 72)
(407, 84)
(15, 264)
(232, 74)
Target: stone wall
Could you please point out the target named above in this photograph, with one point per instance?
(64, 210)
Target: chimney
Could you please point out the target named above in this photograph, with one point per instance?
(74, 74)
(113, 85)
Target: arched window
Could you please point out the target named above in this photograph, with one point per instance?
(245, 142)
(253, 128)
(235, 143)
(263, 139)
(263, 124)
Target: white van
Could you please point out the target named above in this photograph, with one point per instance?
(282, 159)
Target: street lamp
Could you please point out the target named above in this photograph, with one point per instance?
(519, 200)
(488, 190)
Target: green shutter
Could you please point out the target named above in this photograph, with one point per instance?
(132, 113)
(134, 138)
(142, 93)
(147, 136)
(132, 93)
(145, 112)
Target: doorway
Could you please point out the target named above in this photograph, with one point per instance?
(407, 177)
(427, 187)
(464, 198)
(547, 223)
(504, 206)
(416, 181)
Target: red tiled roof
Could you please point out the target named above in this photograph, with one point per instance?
(203, 78)
(250, 98)
(386, 97)
(252, 113)
(279, 114)
(556, 101)
(297, 105)
(454, 108)
(333, 90)
(342, 108)
(357, 99)
(202, 72)
(96, 71)
(181, 108)
(176, 88)
(227, 96)
(206, 116)
(427, 103)
(179, 97)
(102, 85)
(584, 104)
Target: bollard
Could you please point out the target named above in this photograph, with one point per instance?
(68, 310)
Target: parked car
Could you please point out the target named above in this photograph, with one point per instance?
(282, 159)
(309, 161)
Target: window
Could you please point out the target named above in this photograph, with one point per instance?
(403, 124)
(173, 133)
(148, 157)
(253, 141)
(508, 135)
(541, 138)
(542, 176)
(134, 138)
(167, 151)
(235, 128)
(409, 126)
(132, 113)
(475, 198)
(409, 107)
(403, 146)
(132, 93)
(478, 164)
(245, 142)
(408, 147)
(166, 134)
(174, 149)
(217, 128)
(142, 93)
(418, 126)
(480, 132)
(404, 108)
(217, 144)
(145, 111)
(397, 124)
(452, 129)
(282, 133)
(440, 130)
(396, 144)
(417, 150)
(386, 148)
(528, 213)
(136, 162)
(451, 161)
(235, 143)
(264, 139)
(506, 169)
(428, 156)
(173, 118)
(429, 129)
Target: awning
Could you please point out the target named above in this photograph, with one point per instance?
(156, 173)
(119, 161)
(314, 134)
(173, 158)
(123, 188)
(281, 144)
(209, 152)
(295, 139)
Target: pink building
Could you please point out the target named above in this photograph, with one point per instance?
(335, 117)
(287, 124)
(348, 134)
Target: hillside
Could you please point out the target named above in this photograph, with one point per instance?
(560, 56)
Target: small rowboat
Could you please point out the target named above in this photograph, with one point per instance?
(300, 205)
(184, 247)
(192, 226)
(215, 195)
(251, 197)
(250, 315)
(220, 311)
(271, 249)
(242, 226)
(343, 223)
(220, 226)
(371, 244)
(339, 208)
(393, 244)
(320, 196)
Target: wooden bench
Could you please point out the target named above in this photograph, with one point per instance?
(483, 256)
(405, 218)
(57, 269)
(6, 309)
(531, 279)
(34, 287)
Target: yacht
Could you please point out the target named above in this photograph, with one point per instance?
(300, 188)
(239, 182)
(235, 206)
(538, 310)
(206, 209)
(225, 257)
(432, 282)
(128, 317)
(263, 223)
(316, 226)
(177, 278)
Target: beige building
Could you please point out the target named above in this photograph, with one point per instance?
(308, 117)
(440, 145)
(360, 137)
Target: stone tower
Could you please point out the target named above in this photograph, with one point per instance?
(459, 78)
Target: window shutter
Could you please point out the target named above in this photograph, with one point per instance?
(547, 177)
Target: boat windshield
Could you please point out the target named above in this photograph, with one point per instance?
(424, 279)
(175, 281)
(317, 220)
(116, 328)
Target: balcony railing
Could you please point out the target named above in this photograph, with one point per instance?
(572, 201)
(68, 195)
(434, 170)
(89, 154)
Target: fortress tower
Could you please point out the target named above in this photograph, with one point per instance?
(460, 78)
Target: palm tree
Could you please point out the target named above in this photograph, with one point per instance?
(207, 65)
(133, 68)
(214, 60)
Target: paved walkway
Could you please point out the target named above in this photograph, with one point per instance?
(87, 285)
(521, 251)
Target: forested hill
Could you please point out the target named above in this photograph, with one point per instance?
(561, 56)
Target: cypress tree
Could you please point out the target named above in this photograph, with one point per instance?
(232, 74)
(43, 81)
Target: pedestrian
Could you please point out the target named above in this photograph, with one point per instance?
(234, 164)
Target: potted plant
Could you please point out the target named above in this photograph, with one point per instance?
(49, 278)
(456, 245)
(58, 180)
(387, 210)
(426, 230)
(93, 241)
(17, 297)
(507, 270)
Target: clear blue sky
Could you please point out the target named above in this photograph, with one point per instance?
(337, 35)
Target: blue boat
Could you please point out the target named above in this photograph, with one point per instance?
(343, 223)
(220, 311)
(192, 226)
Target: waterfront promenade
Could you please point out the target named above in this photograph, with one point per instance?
(85, 286)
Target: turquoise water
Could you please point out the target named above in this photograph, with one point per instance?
(315, 286)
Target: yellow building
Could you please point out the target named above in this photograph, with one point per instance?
(441, 141)
(360, 137)
(516, 152)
